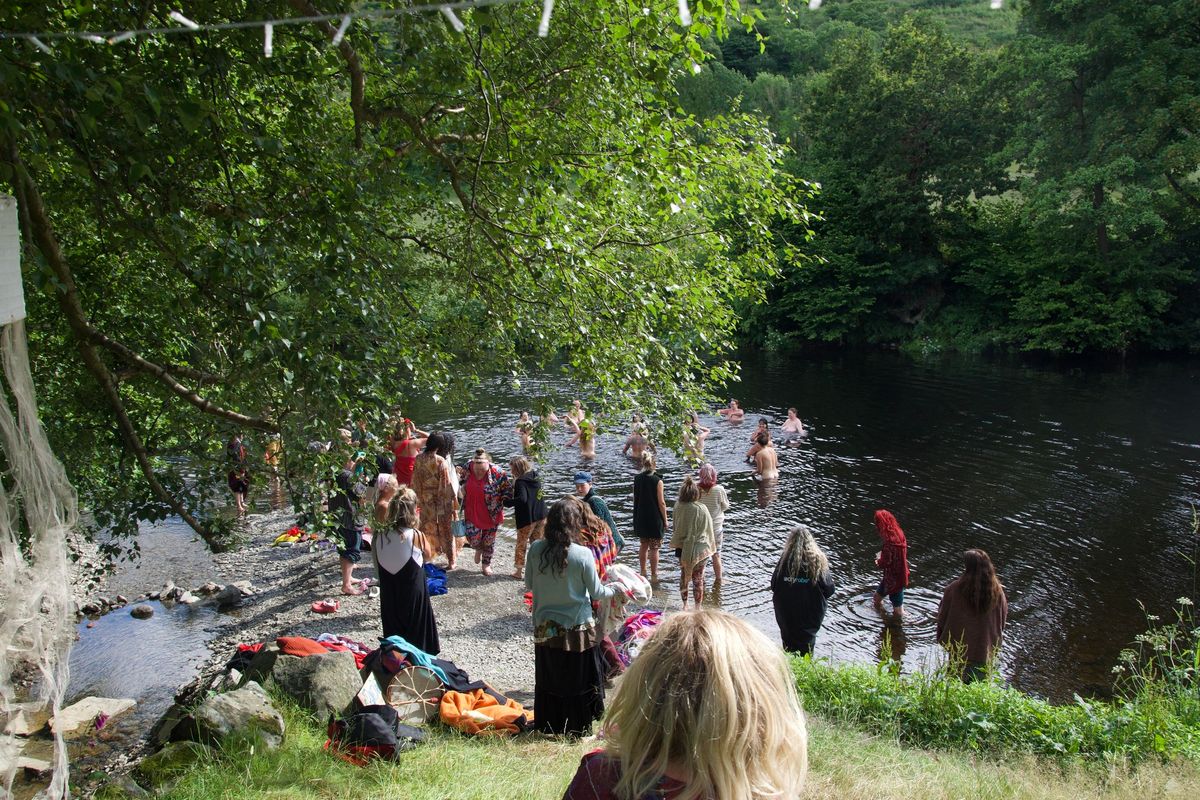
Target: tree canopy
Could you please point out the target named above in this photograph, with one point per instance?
(1024, 178)
(219, 241)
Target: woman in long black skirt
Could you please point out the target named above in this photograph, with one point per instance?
(568, 693)
(399, 553)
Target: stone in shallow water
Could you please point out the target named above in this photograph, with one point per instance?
(141, 612)
(74, 717)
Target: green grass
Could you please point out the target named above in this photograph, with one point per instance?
(844, 763)
(934, 711)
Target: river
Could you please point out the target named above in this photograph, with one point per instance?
(1078, 482)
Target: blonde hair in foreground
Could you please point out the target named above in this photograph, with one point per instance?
(712, 697)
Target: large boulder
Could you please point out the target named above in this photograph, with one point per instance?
(246, 711)
(174, 760)
(324, 684)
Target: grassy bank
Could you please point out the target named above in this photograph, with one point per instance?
(933, 711)
(845, 763)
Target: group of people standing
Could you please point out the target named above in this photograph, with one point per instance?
(422, 504)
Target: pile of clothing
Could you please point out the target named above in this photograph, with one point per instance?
(634, 632)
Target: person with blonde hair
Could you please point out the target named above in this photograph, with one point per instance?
(692, 539)
(399, 553)
(801, 587)
(649, 515)
(707, 711)
(528, 507)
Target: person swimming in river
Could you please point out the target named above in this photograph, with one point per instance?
(636, 441)
(764, 426)
(575, 415)
(733, 413)
(585, 436)
(524, 429)
(694, 435)
(766, 460)
(794, 428)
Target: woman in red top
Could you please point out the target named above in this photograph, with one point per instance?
(484, 494)
(709, 710)
(406, 448)
(893, 560)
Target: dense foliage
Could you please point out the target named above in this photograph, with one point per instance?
(219, 241)
(1027, 178)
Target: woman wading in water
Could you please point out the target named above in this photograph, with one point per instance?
(971, 616)
(649, 515)
(483, 500)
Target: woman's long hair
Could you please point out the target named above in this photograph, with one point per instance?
(802, 556)
(402, 513)
(648, 462)
(563, 523)
(979, 586)
(520, 466)
(710, 692)
(435, 443)
(889, 528)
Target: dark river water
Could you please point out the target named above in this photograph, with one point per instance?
(1079, 483)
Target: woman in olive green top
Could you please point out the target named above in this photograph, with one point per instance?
(692, 539)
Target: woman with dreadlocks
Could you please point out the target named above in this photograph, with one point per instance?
(893, 560)
(972, 614)
(801, 587)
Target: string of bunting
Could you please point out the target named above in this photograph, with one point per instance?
(39, 39)
(42, 39)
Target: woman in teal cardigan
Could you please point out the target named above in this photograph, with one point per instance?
(568, 693)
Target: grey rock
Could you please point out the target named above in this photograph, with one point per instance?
(324, 684)
(246, 587)
(227, 597)
(173, 760)
(153, 595)
(209, 588)
(34, 768)
(121, 788)
(141, 612)
(187, 598)
(245, 711)
(262, 664)
(167, 590)
(122, 599)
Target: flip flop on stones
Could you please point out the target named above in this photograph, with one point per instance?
(326, 606)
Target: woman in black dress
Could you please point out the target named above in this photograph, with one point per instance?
(649, 515)
(399, 553)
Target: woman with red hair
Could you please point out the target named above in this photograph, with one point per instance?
(893, 560)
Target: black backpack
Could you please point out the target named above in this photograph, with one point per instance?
(372, 732)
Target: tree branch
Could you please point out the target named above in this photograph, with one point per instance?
(37, 224)
(164, 376)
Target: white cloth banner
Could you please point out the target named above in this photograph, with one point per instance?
(12, 294)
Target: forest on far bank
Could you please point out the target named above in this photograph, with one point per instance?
(1016, 179)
